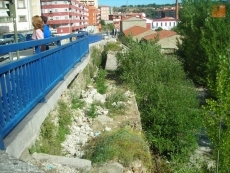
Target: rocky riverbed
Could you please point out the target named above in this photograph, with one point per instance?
(84, 128)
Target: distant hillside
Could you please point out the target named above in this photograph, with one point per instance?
(148, 9)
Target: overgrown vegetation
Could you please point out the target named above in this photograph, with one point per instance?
(166, 99)
(115, 102)
(204, 39)
(123, 145)
(92, 111)
(77, 103)
(106, 27)
(204, 52)
(101, 82)
(51, 136)
(111, 46)
(55, 128)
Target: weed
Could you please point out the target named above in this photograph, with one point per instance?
(115, 102)
(100, 81)
(92, 111)
(113, 46)
(96, 57)
(91, 71)
(77, 103)
(123, 145)
(52, 136)
(64, 120)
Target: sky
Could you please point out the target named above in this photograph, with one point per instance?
(134, 2)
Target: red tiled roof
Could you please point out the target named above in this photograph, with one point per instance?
(160, 34)
(125, 18)
(135, 30)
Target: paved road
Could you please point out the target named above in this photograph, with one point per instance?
(22, 54)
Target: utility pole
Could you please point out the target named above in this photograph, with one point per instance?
(12, 14)
(177, 10)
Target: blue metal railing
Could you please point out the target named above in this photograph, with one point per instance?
(25, 82)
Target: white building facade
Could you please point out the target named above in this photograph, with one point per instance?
(166, 23)
(25, 9)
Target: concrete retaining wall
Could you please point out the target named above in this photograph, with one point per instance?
(27, 131)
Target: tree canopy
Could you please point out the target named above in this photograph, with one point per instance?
(204, 52)
(167, 101)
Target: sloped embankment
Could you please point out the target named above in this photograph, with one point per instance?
(92, 115)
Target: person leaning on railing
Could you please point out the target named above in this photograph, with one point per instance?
(38, 34)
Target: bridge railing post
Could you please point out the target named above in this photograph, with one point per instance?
(2, 146)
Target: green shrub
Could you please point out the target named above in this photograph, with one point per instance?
(96, 57)
(115, 102)
(77, 103)
(112, 46)
(122, 145)
(92, 111)
(101, 82)
(52, 136)
(166, 100)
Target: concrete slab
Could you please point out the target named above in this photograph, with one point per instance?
(73, 162)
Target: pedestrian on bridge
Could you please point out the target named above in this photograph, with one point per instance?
(46, 30)
(38, 29)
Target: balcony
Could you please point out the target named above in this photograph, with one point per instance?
(52, 6)
(58, 22)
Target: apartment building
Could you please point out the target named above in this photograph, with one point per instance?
(65, 16)
(94, 15)
(105, 12)
(117, 17)
(90, 2)
(25, 9)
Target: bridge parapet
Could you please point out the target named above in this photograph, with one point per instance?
(26, 82)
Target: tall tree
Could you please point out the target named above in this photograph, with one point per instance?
(204, 38)
(205, 53)
(217, 116)
(167, 101)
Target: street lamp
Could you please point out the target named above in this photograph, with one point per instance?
(12, 14)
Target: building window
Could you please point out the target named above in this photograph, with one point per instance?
(2, 19)
(5, 19)
(165, 23)
(169, 23)
(3, 4)
(161, 23)
(174, 23)
(21, 4)
(55, 2)
(8, 19)
(56, 18)
(56, 10)
(22, 18)
(157, 24)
